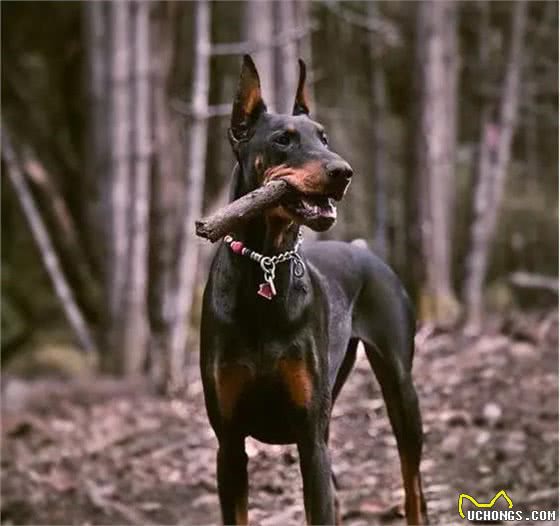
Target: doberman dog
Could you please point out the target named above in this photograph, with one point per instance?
(281, 323)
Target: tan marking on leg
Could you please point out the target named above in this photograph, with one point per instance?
(230, 382)
(241, 512)
(298, 380)
(414, 499)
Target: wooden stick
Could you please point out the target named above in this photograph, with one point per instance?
(226, 219)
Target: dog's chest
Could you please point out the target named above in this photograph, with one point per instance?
(260, 394)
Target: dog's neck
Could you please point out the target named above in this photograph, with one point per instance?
(265, 234)
(268, 237)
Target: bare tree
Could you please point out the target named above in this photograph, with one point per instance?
(494, 154)
(150, 220)
(167, 191)
(452, 61)
(285, 78)
(94, 17)
(64, 233)
(258, 31)
(46, 249)
(188, 249)
(135, 323)
(434, 154)
(529, 96)
(118, 179)
(117, 39)
(378, 101)
(303, 14)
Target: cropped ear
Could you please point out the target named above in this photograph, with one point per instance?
(300, 105)
(248, 104)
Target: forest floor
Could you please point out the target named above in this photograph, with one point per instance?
(98, 452)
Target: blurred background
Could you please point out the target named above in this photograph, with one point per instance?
(114, 141)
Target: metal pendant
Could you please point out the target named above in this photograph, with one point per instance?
(267, 289)
(298, 267)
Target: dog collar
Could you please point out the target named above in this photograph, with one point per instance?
(268, 263)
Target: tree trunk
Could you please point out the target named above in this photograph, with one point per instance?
(303, 10)
(167, 192)
(493, 160)
(452, 59)
(285, 81)
(434, 155)
(378, 101)
(94, 17)
(258, 30)
(135, 325)
(188, 251)
(305, 45)
(118, 183)
(64, 234)
(46, 249)
(119, 153)
(529, 100)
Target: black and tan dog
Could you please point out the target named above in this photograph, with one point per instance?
(280, 324)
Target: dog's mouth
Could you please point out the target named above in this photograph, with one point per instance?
(318, 212)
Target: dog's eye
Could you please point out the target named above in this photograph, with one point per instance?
(283, 140)
(324, 139)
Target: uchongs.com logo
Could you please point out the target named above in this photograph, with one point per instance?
(483, 511)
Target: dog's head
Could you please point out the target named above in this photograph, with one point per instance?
(291, 147)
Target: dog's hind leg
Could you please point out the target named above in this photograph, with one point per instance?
(402, 407)
(345, 368)
(384, 321)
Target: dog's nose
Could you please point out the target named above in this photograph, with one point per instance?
(339, 170)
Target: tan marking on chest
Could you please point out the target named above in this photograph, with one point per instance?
(259, 164)
(231, 380)
(297, 378)
(278, 222)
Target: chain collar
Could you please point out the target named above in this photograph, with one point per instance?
(268, 263)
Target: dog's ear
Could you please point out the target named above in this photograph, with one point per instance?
(236, 183)
(301, 106)
(248, 104)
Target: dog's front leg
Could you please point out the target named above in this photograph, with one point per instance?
(232, 480)
(315, 467)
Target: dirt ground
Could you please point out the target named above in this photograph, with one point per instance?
(98, 452)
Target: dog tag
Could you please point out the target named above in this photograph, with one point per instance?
(267, 289)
